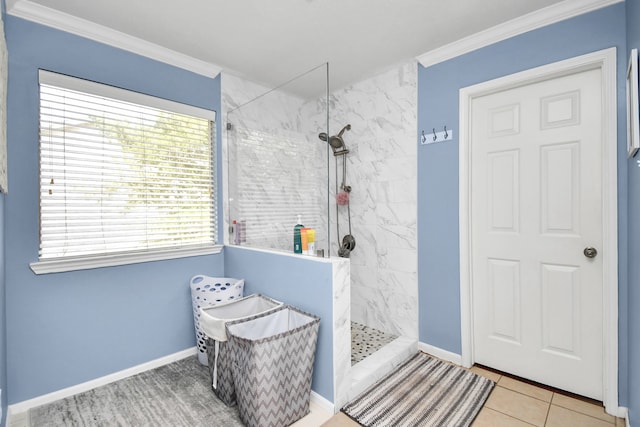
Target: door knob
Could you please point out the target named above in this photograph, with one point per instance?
(590, 252)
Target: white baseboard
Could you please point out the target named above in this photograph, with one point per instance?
(623, 412)
(323, 403)
(440, 353)
(17, 413)
(24, 406)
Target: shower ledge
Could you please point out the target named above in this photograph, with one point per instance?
(365, 373)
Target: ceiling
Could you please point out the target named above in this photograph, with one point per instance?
(270, 42)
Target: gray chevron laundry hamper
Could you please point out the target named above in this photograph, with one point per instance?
(273, 355)
(213, 322)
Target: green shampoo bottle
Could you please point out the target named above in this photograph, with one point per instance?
(297, 239)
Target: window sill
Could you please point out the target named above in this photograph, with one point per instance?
(85, 263)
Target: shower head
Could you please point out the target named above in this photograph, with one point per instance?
(336, 142)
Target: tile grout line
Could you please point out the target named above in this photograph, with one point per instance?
(586, 415)
(525, 395)
(514, 418)
(528, 395)
(549, 404)
(546, 418)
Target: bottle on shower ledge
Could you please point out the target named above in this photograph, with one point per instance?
(311, 241)
(297, 238)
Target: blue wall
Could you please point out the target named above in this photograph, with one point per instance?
(3, 320)
(633, 295)
(67, 328)
(300, 281)
(438, 89)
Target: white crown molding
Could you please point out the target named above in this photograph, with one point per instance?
(531, 21)
(34, 12)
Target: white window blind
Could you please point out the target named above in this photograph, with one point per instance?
(122, 172)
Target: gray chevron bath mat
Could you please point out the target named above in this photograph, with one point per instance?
(422, 392)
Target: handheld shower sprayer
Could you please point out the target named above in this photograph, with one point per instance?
(342, 196)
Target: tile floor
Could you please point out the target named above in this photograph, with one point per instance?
(514, 403)
(366, 340)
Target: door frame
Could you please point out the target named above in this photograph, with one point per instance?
(605, 60)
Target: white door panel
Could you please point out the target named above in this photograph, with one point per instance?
(535, 205)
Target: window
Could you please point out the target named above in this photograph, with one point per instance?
(123, 176)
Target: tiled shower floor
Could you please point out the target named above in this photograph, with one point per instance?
(366, 341)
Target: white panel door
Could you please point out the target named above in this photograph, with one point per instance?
(535, 207)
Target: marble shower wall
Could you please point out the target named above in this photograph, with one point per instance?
(382, 171)
(276, 166)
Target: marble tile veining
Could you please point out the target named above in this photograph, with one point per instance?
(275, 166)
(341, 327)
(382, 170)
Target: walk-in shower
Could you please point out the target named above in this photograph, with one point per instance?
(290, 152)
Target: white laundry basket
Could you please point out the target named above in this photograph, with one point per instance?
(208, 291)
